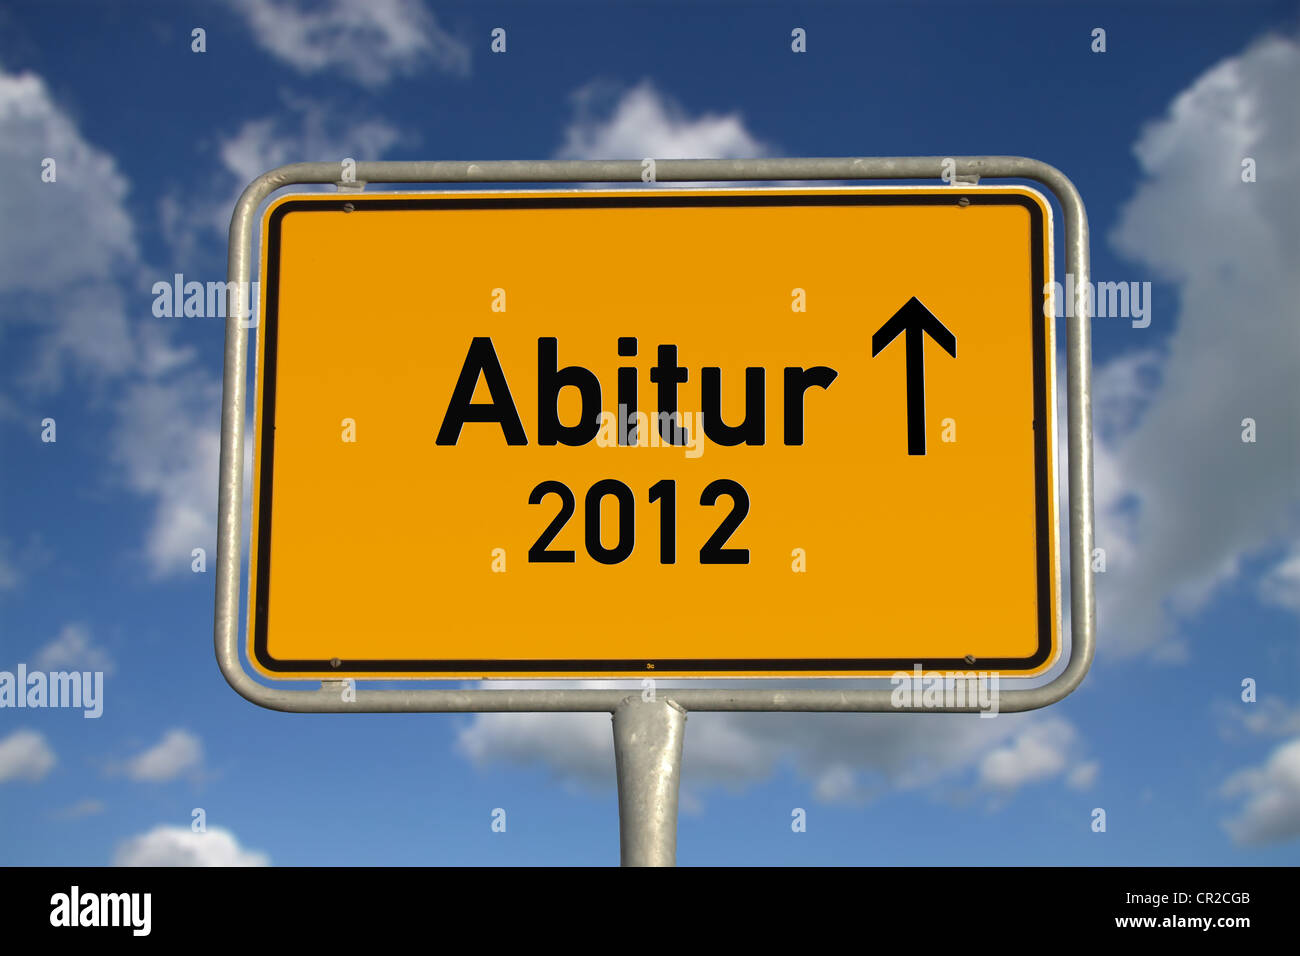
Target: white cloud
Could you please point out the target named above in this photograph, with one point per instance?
(80, 809)
(642, 122)
(56, 271)
(577, 747)
(1281, 585)
(304, 130)
(65, 269)
(1272, 810)
(1040, 752)
(836, 784)
(308, 131)
(1270, 716)
(25, 755)
(1181, 499)
(177, 753)
(167, 442)
(1083, 776)
(180, 846)
(1122, 391)
(72, 650)
(19, 562)
(369, 41)
(88, 191)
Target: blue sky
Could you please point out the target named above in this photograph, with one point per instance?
(153, 142)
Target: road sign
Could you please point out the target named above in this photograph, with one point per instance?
(669, 433)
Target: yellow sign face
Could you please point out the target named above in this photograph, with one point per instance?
(687, 432)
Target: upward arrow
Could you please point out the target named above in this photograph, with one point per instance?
(916, 320)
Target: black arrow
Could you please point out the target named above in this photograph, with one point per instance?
(915, 319)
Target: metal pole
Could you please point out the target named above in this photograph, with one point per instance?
(648, 760)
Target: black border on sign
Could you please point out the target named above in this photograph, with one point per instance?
(361, 204)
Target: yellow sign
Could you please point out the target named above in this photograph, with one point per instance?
(686, 432)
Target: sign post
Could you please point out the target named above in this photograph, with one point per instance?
(648, 736)
(656, 433)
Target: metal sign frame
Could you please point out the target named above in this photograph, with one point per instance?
(956, 170)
